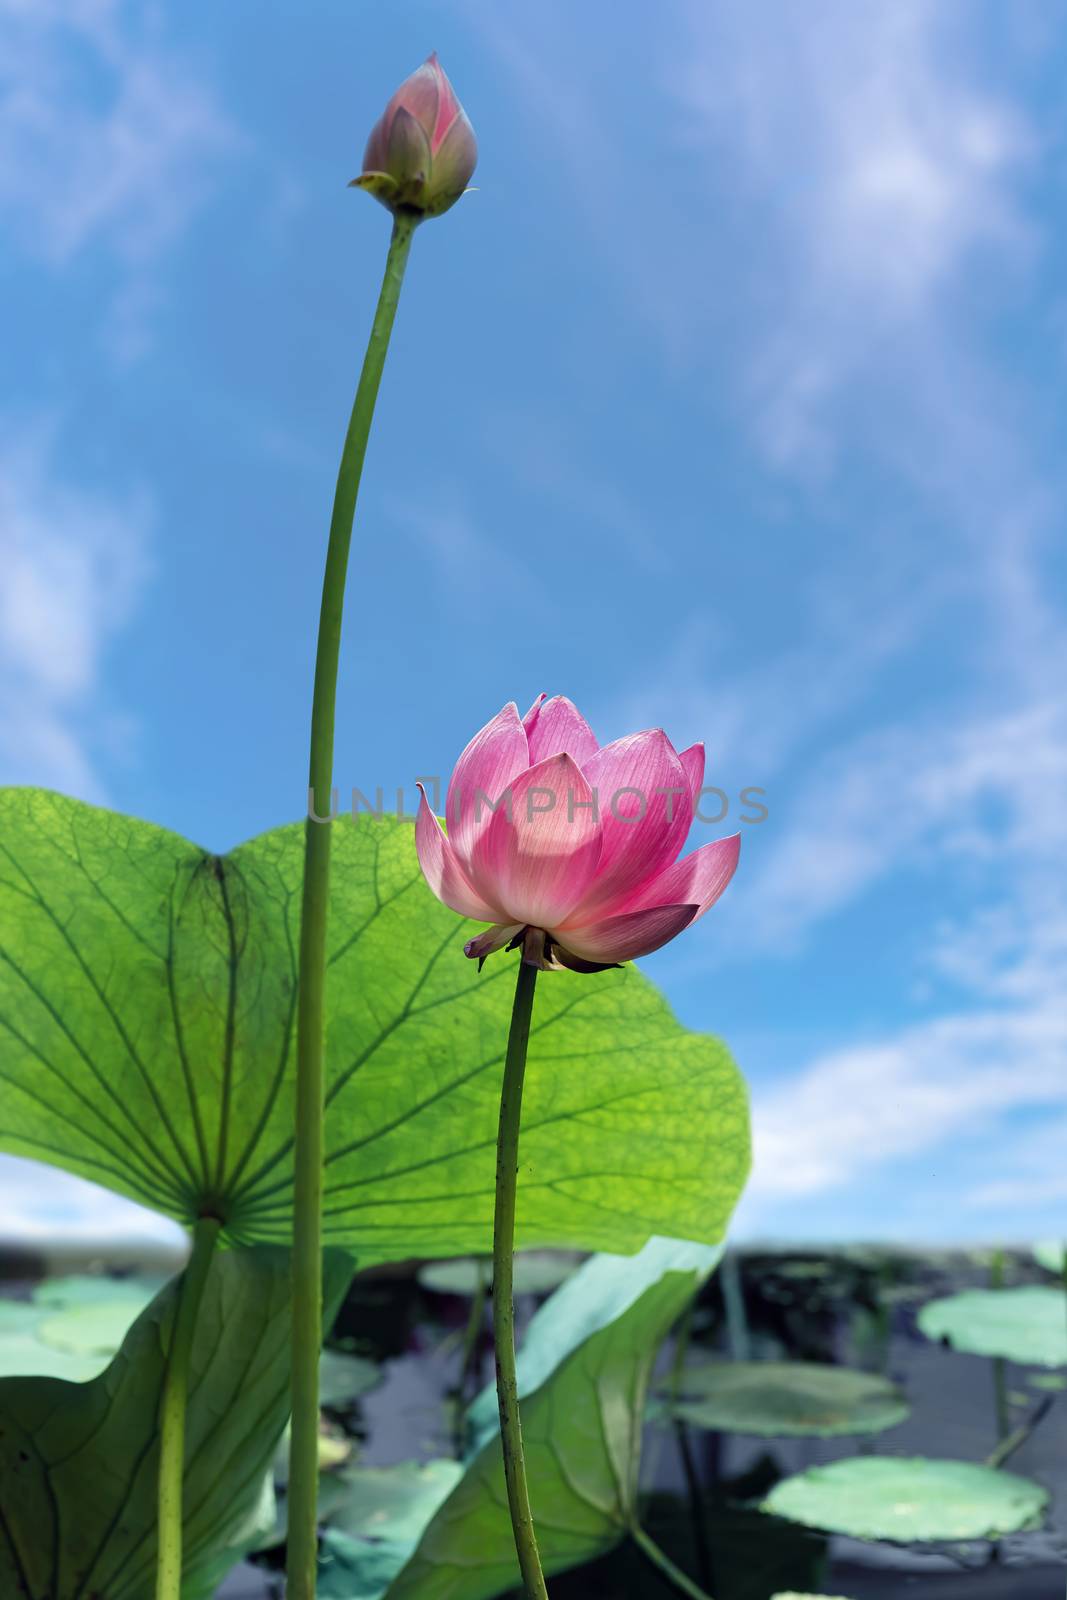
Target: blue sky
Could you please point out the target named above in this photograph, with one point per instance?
(731, 402)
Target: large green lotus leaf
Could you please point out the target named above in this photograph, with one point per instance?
(147, 996)
(1027, 1325)
(909, 1498)
(79, 1461)
(776, 1399)
(583, 1374)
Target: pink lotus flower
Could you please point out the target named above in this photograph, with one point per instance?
(570, 849)
(422, 150)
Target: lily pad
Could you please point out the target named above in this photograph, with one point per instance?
(779, 1399)
(1027, 1325)
(391, 1503)
(22, 1352)
(909, 1499)
(88, 1288)
(1052, 1255)
(147, 1018)
(71, 1327)
(793, 1594)
(343, 1378)
(97, 1329)
(536, 1272)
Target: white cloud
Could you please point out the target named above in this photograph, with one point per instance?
(107, 138)
(102, 133)
(1032, 1174)
(896, 151)
(471, 563)
(986, 788)
(42, 1206)
(74, 564)
(929, 1088)
(879, 161)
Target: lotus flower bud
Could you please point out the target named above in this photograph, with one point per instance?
(422, 150)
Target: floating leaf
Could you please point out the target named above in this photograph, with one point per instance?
(71, 1327)
(50, 1337)
(373, 1518)
(147, 997)
(778, 1399)
(343, 1378)
(88, 1288)
(391, 1504)
(1026, 1325)
(79, 1461)
(535, 1272)
(93, 1330)
(583, 1373)
(793, 1594)
(1052, 1255)
(22, 1352)
(910, 1498)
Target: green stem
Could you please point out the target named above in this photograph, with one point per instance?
(733, 1295)
(469, 1354)
(664, 1565)
(1000, 1370)
(507, 1169)
(308, 1146)
(1012, 1441)
(685, 1448)
(172, 1412)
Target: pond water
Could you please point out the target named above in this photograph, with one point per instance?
(856, 1308)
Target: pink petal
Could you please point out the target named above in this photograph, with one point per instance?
(447, 104)
(693, 766)
(377, 152)
(420, 96)
(539, 861)
(698, 878)
(556, 725)
(646, 809)
(496, 754)
(492, 939)
(443, 871)
(625, 938)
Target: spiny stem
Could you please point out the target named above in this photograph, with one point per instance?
(664, 1565)
(308, 1145)
(507, 1167)
(172, 1411)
